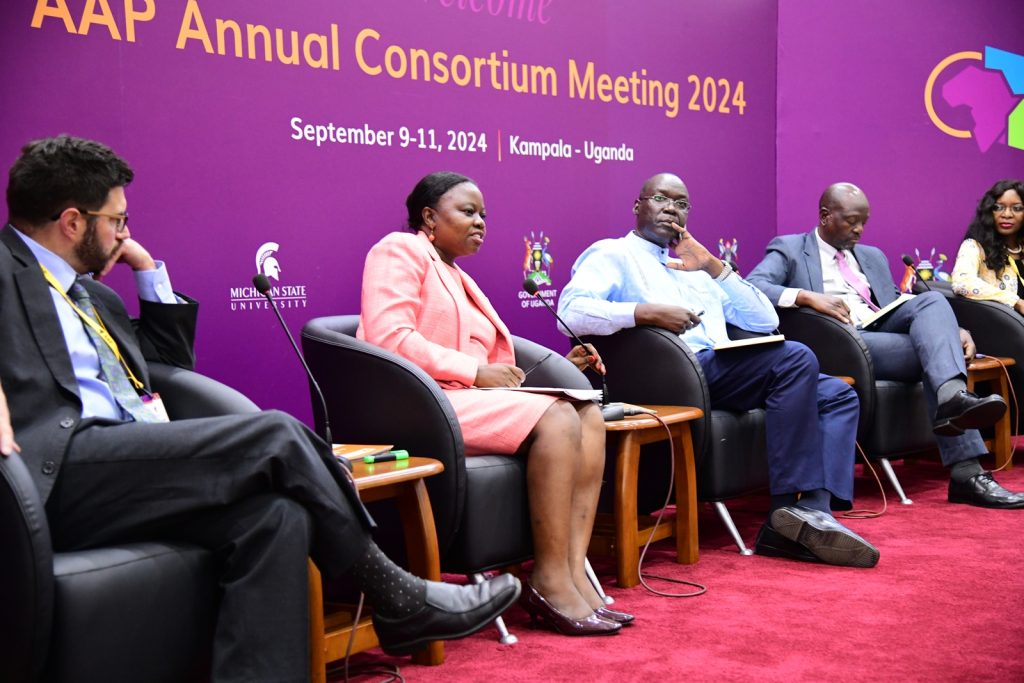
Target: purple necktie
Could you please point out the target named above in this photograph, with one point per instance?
(859, 285)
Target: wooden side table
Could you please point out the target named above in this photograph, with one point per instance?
(331, 625)
(989, 370)
(623, 535)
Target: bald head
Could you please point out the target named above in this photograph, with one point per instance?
(658, 179)
(837, 192)
(843, 212)
(656, 209)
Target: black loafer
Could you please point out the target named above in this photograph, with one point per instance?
(449, 611)
(819, 532)
(984, 491)
(967, 411)
(771, 543)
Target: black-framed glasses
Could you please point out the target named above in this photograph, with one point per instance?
(683, 205)
(1015, 209)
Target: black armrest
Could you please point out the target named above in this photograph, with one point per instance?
(26, 574)
(628, 356)
(839, 349)
(188, 394)
(552, 369)
(375, 396)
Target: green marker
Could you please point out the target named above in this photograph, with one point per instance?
(386, 457)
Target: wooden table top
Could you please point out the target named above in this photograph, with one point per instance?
(670, 414)
(988, 363)
(393, 472)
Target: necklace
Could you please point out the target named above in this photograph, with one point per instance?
(1014, 251)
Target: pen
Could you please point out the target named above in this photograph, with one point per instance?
(386, 457)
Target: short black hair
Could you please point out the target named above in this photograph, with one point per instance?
(428, 192)
(54, 174)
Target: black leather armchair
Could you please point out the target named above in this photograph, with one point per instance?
(998, 330)
(651, 365)
(374, 396)
(894, 419)
(136, 612)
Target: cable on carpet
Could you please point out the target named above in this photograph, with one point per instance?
(701, 589)
(868, 514)
(391, 672)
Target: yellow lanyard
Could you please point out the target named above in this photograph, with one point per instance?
(1013, 264)
(96, 324)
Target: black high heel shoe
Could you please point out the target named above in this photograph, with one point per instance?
(543, 611)
(614, 615)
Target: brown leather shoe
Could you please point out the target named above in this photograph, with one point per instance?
(614, 615)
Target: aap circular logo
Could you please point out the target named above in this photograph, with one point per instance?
(991, 85)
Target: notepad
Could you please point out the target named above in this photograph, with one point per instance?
(875, 319)
(357, 451)
(752, 341)
(574, 394)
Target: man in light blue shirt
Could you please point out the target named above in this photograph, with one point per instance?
(660, 275)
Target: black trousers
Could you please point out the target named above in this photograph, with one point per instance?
(261, 491)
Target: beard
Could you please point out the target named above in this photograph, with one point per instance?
(89, 252)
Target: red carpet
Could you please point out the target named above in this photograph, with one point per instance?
(945, 603)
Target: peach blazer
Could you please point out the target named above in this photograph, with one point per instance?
(410, 307)
(413, 306)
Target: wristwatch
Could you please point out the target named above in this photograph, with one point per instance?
(727, 270)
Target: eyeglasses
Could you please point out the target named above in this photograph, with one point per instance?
(683, 205)
(118, 220)
(1015, 209)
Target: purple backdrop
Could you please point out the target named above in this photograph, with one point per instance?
(851, 107)
(219, 173)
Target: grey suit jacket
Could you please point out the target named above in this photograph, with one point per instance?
(793, 261)
(35, 368)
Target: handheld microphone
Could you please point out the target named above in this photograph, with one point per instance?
(262, 285)
(910, 262)
(609, 411)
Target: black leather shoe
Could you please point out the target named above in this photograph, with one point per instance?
(819, 532)
(771, 543)
(449, 611)
(984, 491)
(967, 411)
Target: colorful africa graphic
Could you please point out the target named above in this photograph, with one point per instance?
(994, 93)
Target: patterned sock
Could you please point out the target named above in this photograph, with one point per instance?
(390, 589)
(949, 389)
(818, 499)
(964, 470)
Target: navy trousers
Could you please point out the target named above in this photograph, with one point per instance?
(920, 341)
(810, 418)
(261, 491)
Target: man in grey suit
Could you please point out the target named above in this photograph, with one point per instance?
(260, 490)
(827, 270)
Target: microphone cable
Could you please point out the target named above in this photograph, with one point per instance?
(865, 513)
(1016, 409)
(701, 588)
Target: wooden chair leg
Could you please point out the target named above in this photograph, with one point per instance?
(317, 653)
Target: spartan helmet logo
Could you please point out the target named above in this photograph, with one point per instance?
(265, 261)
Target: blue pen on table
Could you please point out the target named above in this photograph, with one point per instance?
(386, 457)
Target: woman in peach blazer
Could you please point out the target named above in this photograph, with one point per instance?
(417, 303)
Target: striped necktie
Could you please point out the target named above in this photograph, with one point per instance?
(110, 367)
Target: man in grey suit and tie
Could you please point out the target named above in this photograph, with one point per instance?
(827, 270)
(260, 490)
